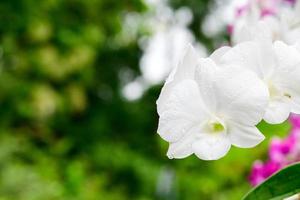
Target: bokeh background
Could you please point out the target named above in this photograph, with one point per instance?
(78, 85)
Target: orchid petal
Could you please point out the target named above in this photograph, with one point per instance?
(184, 70)
(183, 110)
(211, 146)
(277, 111)
(235, 93)
(244, 136)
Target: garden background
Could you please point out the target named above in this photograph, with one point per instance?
(67, 129)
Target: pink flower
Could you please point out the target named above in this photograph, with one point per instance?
(270, 168)
(282, 152)
(278, 150)
(256, 175)
(261, 171)
(295, 120)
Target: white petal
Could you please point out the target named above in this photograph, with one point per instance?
(297, 45)
(295, 103)
(217, 55)
(287, 73)
(184, 70)
(205, 77)
(211, 146)
(292, 36)
(244, 136)
(232, 92)
(277, 111)
(248, 31)
(255, 56)
(183, 147)
(182, 111)
(288, 56)
(241, 96)
(186, 67)
(291, 89)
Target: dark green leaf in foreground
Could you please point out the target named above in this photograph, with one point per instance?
(282, 184)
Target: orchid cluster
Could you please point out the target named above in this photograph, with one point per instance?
(208, 104)
(278, 19)
(282, 152)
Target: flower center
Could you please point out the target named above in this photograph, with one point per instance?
(275, 92)
(215, 126)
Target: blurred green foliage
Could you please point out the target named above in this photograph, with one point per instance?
(66, 132)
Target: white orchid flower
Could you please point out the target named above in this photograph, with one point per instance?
(204, 109)
(278, 66)
(284, 26)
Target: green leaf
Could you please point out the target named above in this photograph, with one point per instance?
(284, 183)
